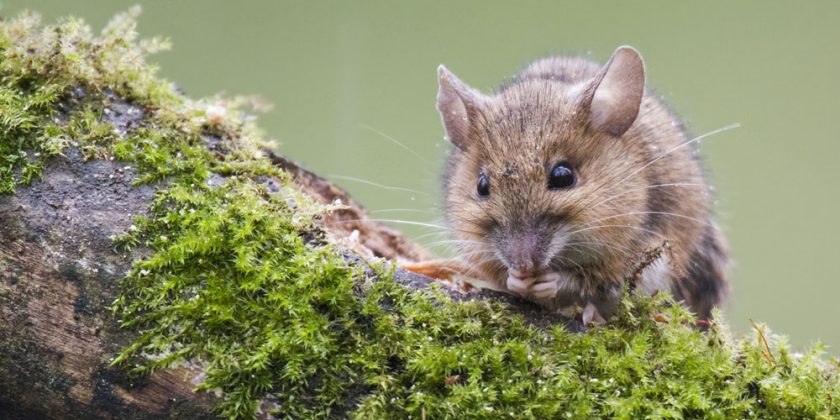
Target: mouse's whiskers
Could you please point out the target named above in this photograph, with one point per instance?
(562, 259)
(599, 246)
(681, 145)
(676, 185)
(657, 213)
(376, 184)
(438, 233)
(661, 236)
(620, 177)
(401, 211)
(411, 222)
(455, 242)
(394, 141)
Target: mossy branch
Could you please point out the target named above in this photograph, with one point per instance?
(194, 270)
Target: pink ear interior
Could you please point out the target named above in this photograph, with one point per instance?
(618, 95)
(456, 103)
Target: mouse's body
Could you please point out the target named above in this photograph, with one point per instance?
(562, 179)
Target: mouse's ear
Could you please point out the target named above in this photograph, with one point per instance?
(458, 105)
(615, 95)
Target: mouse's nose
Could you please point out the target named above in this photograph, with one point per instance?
(525, 255)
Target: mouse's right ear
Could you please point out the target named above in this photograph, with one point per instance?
(458, 105)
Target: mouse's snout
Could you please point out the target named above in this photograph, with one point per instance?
(525, 254)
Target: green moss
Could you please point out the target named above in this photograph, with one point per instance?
(45, 72)
(231, 284)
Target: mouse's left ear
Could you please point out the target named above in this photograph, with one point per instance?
(615, 95)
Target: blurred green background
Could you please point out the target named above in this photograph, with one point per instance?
(349, 78)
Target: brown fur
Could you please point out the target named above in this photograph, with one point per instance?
(516, 135)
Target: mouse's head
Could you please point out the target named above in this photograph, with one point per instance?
(541, 177)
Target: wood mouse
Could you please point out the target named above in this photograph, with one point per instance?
(559, 181)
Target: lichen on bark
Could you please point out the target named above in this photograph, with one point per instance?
(231, 276)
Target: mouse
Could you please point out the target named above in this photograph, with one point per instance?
(561, 179)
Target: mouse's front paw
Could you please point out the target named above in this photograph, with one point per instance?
(519, 285)
(544, 286)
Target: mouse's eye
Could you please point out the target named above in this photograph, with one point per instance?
(561, 176)
(483, 187)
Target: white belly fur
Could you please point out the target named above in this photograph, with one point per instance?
(657, 276)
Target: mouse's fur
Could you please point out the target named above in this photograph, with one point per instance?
(639, 185)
